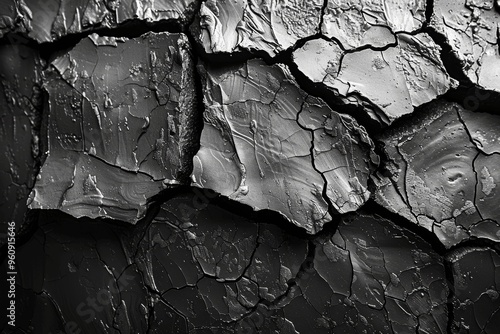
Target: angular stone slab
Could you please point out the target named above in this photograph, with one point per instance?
(268, 144)
(269, 26)
(119, 125)
(439, 178)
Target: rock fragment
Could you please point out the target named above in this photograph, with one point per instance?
(117, 135)
(411, 73)
(269, 145)
(484, 130)
(438, 176)
(55, 19)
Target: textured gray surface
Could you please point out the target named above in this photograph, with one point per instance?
(251, 166)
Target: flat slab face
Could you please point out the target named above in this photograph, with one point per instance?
(119, 121)
(269, 26)
(393, 81)
(476, 302)
(267, 144)
(441, 177)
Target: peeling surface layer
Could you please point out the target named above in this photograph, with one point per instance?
(117, 135)
(439, 176)
(267, 144)
(411, 73)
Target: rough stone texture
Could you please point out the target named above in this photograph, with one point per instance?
(411, 73)
(49, 20)
(358, 283)
(357, 23)
(261, 25)
(475, 302)
(484, 130)
(269, 145)
(117, 135)
(122, 120)
(471, 30)
(20, 101)
(198, 268)
(438, 177)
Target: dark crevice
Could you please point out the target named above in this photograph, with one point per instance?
(475, 99)
(429, 10)
(450, 60)
(130, 29)
(450, 280)
(372, 207)
(467, 94)
(194, 126)
(336, 103)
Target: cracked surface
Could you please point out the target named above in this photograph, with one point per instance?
(359, 284)
(357, 23)
(182, 272)
(261, 25)
(204, 270)
(268, 166)
(439, 178)
(411, 73)
(50, 20)
(260, 127)
(117, 136)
